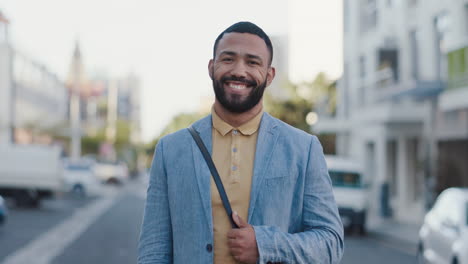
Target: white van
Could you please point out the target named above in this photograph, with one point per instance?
(351, 191)
(29, 173)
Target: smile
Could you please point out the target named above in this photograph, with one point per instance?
(237, 86)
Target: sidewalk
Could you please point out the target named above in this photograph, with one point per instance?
(404, 234)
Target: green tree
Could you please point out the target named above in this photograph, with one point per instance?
(318, 95)
(180, 121)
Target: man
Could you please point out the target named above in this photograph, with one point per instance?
(275, 176)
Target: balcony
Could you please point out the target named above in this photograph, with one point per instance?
(383, 87)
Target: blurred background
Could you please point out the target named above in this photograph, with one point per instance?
(87, 88)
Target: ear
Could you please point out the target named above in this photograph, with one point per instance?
(210, 68)
(270, 75)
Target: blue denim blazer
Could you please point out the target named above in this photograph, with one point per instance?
(292, 208)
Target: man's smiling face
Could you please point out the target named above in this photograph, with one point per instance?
(240, 71)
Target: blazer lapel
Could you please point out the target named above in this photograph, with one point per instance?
(266, 142)
(203, 127)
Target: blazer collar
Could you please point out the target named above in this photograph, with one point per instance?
(266, 143)
(202, 172)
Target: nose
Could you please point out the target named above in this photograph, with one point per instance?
(239, 70)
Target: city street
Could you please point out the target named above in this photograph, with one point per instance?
(106, 229)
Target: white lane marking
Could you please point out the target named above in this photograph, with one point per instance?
(49, 245)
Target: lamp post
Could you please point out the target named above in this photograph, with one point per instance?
(76, 80)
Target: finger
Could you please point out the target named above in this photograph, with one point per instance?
(233, 233)
(235, 252)
(238, 220)
(233, 244)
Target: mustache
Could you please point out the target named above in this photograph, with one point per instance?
(237, 79)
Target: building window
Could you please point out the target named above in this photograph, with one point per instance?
(3, 32)
(457, 68)
(345, 100)
(346, 15)
(412, 2)
(466, 18)
(369, 15)
(414, 44)
(441, 28)
(362, 67)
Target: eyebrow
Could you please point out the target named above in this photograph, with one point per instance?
(232, 53)
(250, 56)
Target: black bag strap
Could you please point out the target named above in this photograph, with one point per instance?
(214, 173)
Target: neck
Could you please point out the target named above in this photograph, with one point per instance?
(237, 119)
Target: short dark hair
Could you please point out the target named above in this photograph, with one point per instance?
(246, 27)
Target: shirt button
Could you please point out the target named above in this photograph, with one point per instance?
(209, 247)
(235, 132)
(234, 150)
(234, 168)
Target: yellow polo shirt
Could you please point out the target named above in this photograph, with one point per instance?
(233, 155)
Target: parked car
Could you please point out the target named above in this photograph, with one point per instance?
(80, 178)
(111, 172)
(3, 211)
(444, 233)
(350, 190)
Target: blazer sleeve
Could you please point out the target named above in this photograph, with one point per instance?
(155, 244)
(321, 240)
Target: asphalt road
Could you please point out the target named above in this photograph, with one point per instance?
(106, 229)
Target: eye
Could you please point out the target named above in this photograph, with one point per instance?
(252, 62)
(227, 59)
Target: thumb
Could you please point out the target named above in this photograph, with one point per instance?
(238, 220)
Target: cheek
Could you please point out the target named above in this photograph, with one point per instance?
(261, 76)
(218, 72)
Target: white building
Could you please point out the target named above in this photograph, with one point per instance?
(128, 106)
(395, 66)
(281, 63)
(5, 83)
(40, 100)
(452, 125)
(32, 99)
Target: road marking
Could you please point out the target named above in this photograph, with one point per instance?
(51, 244)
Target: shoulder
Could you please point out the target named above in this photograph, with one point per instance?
(288, 131)
(182, 136)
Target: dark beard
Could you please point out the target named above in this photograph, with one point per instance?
(235, 104)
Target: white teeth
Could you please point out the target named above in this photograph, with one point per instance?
(237, 86)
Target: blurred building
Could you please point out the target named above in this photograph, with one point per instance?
(105, 100)
(32, 98)
(281, 63)
(128, 104)
(5, 83)
(452, 115)
(40, 101)
(394, 112)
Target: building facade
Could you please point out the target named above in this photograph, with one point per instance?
(5, 83)
(396, 67)
(33, 99)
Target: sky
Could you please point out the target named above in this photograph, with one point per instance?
(168, 44)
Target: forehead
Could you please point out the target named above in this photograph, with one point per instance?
(243, 43)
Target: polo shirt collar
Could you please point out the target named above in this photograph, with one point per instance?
(247, 129)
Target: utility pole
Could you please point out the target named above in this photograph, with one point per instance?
(75, 121)
(111, 129)
(76, 81)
